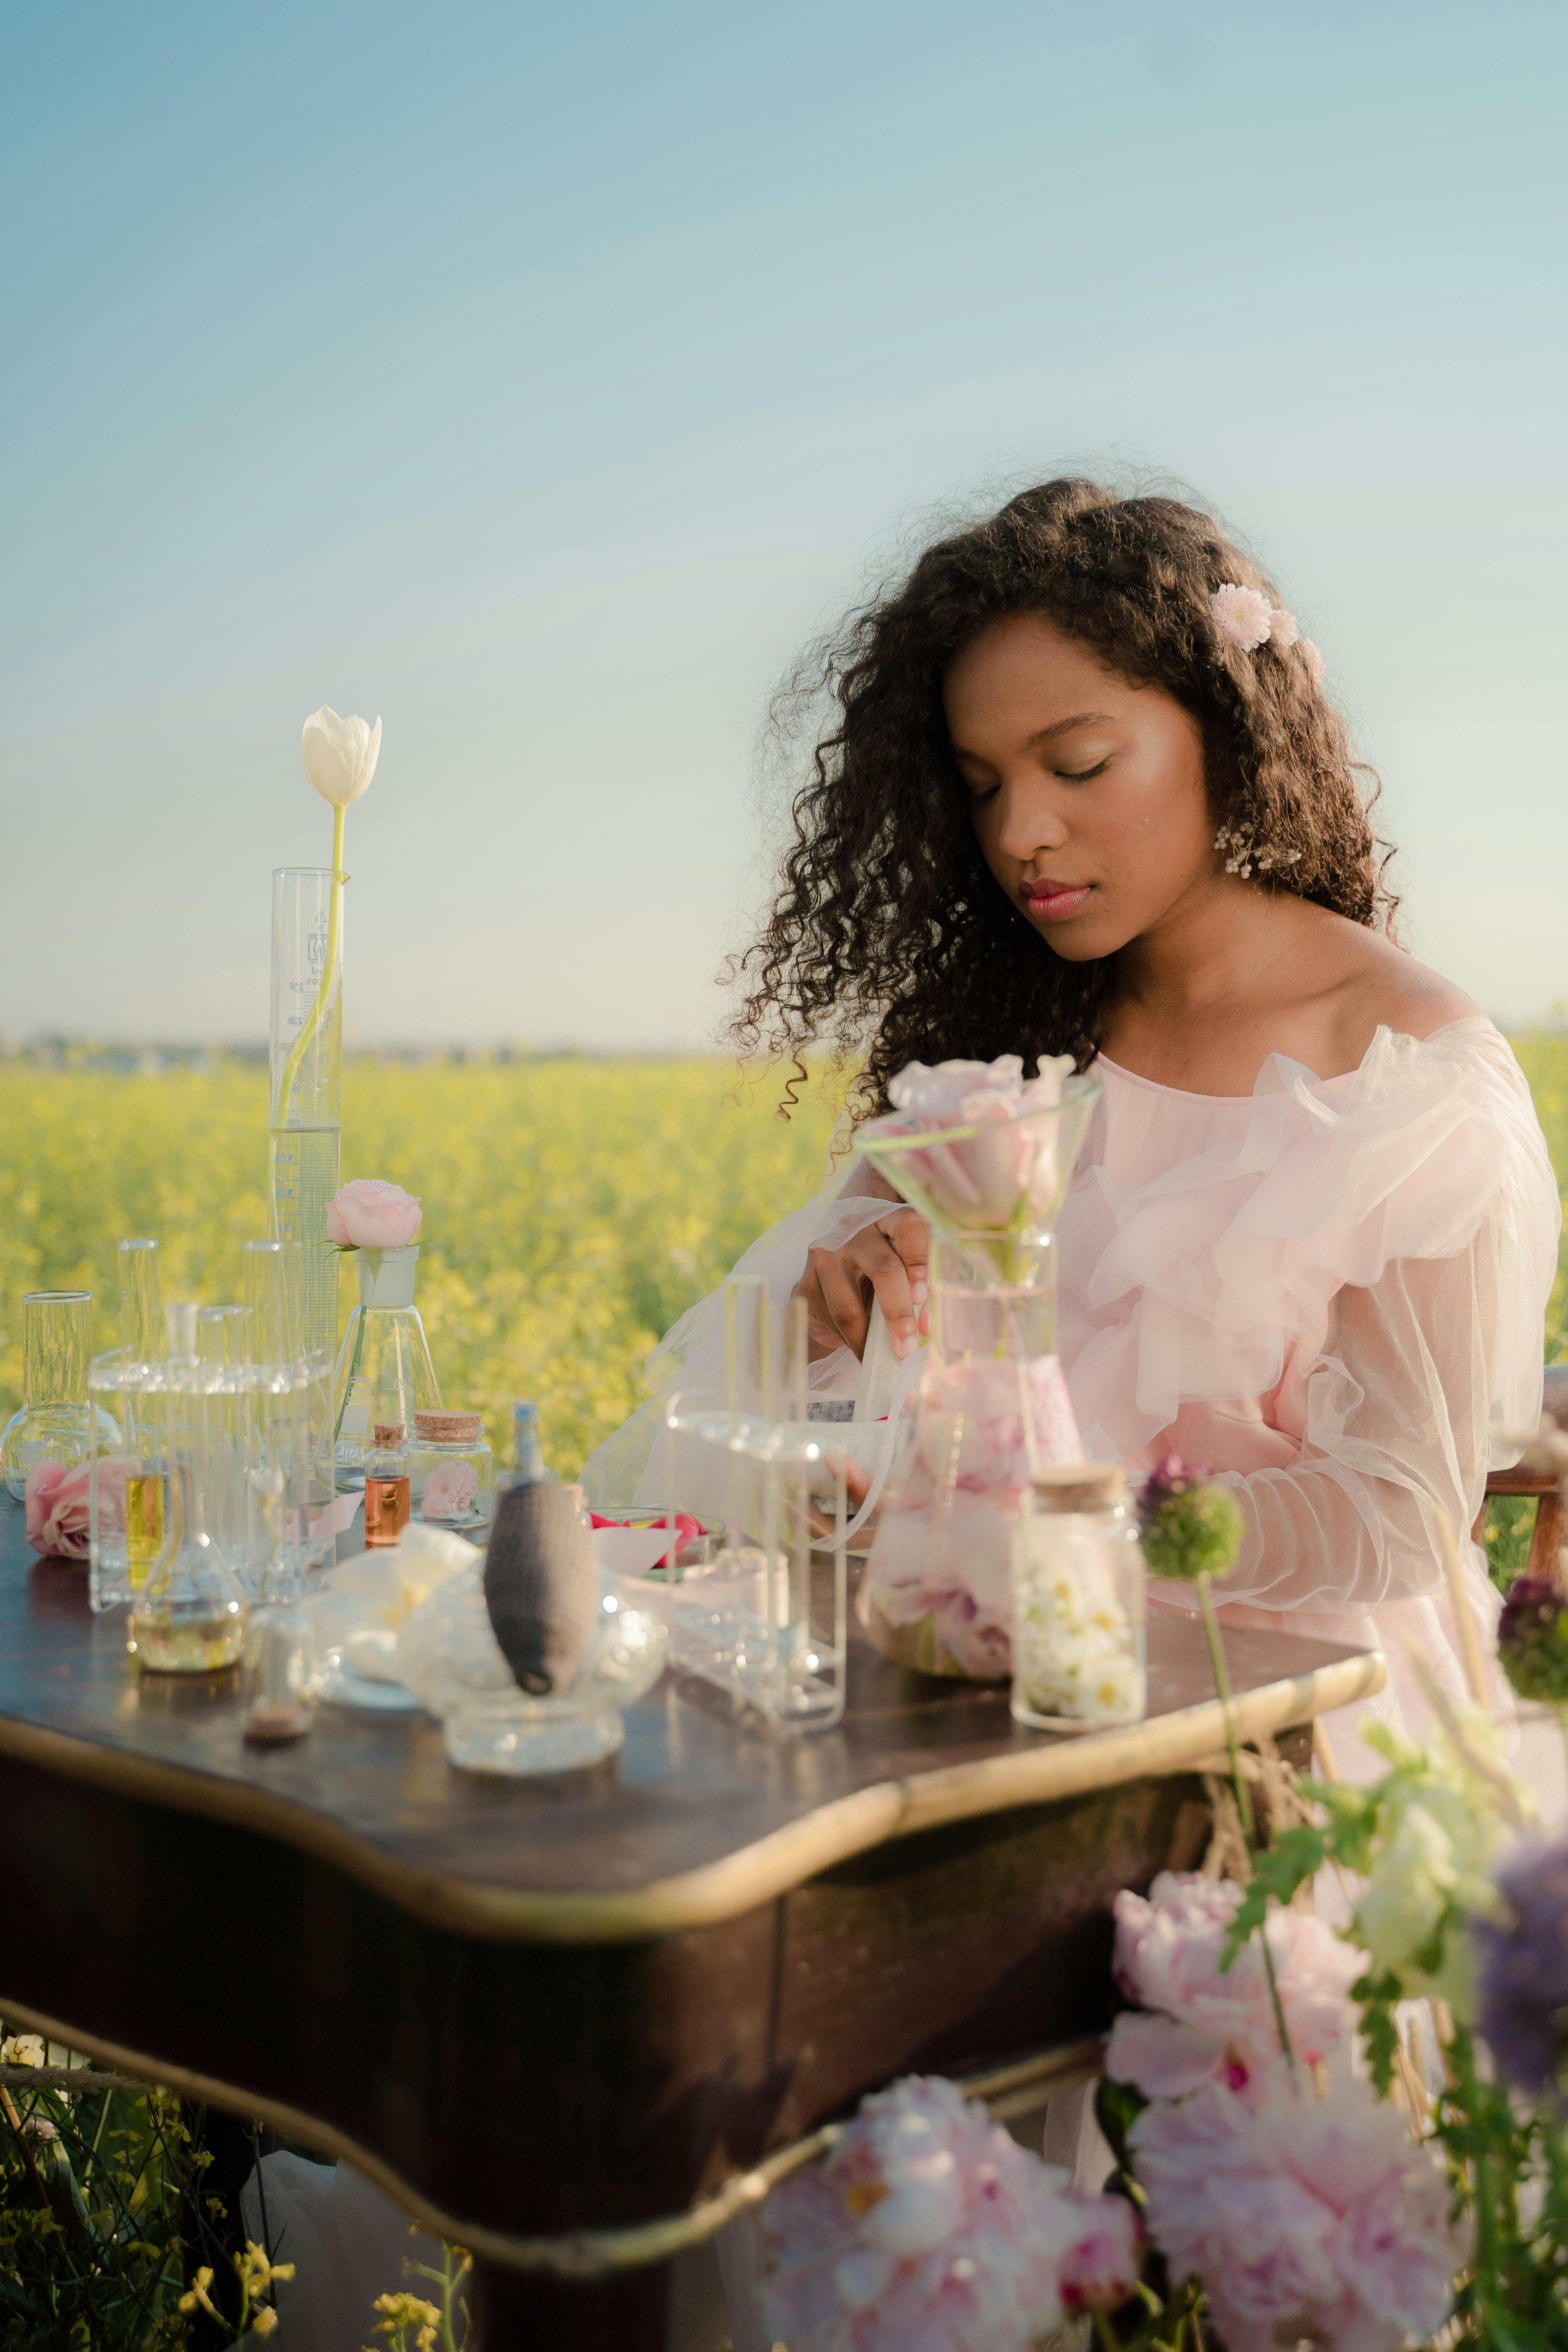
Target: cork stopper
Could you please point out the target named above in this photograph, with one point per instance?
(1078, 1486)
(388, 1432)
(448, 1428)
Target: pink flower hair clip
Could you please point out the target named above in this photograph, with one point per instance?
(1246, 619)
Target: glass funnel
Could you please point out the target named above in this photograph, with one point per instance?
(992, 1410)
(383, 1374)
(55, 1421)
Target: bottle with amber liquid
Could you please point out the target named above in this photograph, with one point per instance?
(386, 1500)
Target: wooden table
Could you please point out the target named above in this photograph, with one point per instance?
(552, 2017)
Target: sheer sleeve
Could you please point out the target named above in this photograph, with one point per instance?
(1353, 1281)
(689, 1358)
(1407, 1408)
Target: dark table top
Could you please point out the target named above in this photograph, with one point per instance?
(698, 1820)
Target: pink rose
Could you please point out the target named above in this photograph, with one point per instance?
(1102, 2268)
(369, 1214)
(57, 1505)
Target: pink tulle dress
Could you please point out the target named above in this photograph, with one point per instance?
(1332, 1291)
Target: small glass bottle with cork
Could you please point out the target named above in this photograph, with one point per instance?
(451, 1470)
(386, 1484)
(1078, 1643)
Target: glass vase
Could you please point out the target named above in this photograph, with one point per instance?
(307, 1085)
(992, 1410)
(55, 1419)
(384, 1375)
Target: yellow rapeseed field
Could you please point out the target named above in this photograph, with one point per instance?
(572, 1209)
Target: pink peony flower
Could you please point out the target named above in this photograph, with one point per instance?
(1284, 629)
(1305, 2218)
(1101, 2268)
(989, 1422)
(1214, 2027)
(928, 2229)
(1242, 615)
(369, 1214)
(1316, 664)
(56, 1503)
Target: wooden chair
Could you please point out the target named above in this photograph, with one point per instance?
(1548, 1532)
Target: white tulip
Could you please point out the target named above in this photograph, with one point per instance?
(340, 755)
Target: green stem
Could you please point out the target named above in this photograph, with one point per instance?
(353, 1375)
(1222, 1685)
(1243, 1797)
(297, 1051)
(1105, 2335)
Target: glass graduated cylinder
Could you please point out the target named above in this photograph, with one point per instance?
(304, 1164)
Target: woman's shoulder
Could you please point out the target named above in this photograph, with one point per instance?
(1368, 983)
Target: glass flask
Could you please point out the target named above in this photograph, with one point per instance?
(280, 1673)
(190, 1614)
(387, 1485)
(1078, 1643)
(54, 1422)
(384, 1371)
(992, 1410)
(451, 1470)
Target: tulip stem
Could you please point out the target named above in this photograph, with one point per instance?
(302, 1045)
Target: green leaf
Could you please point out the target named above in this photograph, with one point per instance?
(1296, 1855)
(1117, 2108)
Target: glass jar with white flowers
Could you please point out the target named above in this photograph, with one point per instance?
(1078, 1656)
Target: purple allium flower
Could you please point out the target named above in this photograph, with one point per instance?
(1187, 1524)
(1523, 1957)
(1532, 1638)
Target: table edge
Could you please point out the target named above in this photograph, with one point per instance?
(581, 2253)
(1042, 1772)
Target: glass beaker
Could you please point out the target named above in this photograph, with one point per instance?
(54, 1421)
(272, 1544)
(191, 1612)
(384, 1375)
(306, 1080)
(992, 1410)
(281, 1674)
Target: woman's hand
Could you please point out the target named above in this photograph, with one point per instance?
(886, 1263)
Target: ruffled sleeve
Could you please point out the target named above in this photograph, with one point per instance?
(689, 1358)
(1370, 1263)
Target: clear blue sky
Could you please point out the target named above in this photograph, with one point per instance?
(539, 378)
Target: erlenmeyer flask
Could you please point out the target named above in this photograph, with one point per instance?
(190, 1614)
(55, 1421)
(383, 1374)
(993, 1409)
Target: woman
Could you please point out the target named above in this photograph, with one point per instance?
(1084, 791)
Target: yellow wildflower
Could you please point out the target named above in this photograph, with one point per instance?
(197, 2294)
(263, 2320)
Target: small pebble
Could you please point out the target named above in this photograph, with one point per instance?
(276, 1720)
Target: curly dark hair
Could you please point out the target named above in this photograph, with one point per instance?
(889, 937)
